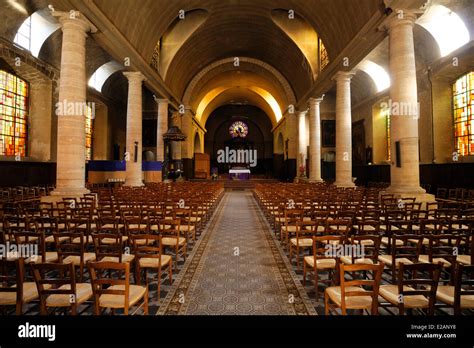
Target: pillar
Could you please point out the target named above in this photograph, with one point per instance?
(315, 139)
(71, 107)
(133, 158)
(161, 127)
(302, 146)
(404, 107)
(343, 130)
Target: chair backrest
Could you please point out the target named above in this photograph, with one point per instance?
(369, 245)
(412, 281)
(370, 286)
(49, 277)
(35, 240)
(170, 228)
(406, 246)
(463, 284)
(70, 244)
(12, 273)
(338, 226)
(101, 283)
(146, 245)
(108, 245)
(322, 246)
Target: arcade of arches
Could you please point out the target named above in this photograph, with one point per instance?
(330, 96)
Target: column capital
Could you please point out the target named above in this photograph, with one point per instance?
(74, 19)
(160, 100)
(343, 76)
(401, 16)
(315, 101)
(134, 76)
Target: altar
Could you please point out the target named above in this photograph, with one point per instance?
(239, 174)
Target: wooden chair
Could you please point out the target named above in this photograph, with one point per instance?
(305, 230)
(460, 294)
(115, 293)
(353, 294)
(404, 249)
(321, 259)
(149, 255)
(369, 246)
(111, 247)
(14, 291)
(57, 287)
(170, 230)
(73, 251)
(412, 291)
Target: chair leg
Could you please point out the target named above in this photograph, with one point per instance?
(158, 290)
(326, 304)
(304, 273)
(145, 303)
(170, 272)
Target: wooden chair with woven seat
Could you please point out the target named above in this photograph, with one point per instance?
(353, 294)
(459, 294)
(73, 251)
(115, 293)
(37, 241)
(467, 258)
(416, 288)
(57, 287)
(322, 259)
(303, 239)
(187, 226)
(404, 249)
(442, 248)
(369, 246)
(111, 247)
(149, 255)
(14, 291)
(170, 230)
(288, 229)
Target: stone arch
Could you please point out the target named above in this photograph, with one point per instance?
(189, 92)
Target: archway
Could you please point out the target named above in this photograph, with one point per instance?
(240, 126)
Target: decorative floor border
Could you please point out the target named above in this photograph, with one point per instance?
(173, 302)
(301, 304)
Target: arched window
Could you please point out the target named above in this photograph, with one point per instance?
(14, 107)
(463, 100)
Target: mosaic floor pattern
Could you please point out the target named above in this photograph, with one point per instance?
(237, 268)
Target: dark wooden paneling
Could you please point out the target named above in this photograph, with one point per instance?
(27, 173)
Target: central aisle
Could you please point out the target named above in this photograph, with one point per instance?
(237, 268)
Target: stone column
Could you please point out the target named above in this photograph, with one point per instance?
(404, 108)
(315, 140)
(133, 158)
(302, 147)
(71, 107)
(161, 127)
(343, 130)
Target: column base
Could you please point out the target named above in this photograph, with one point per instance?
(58, 194)
(133, 183)
(345, 184)
(300, 179)
(315, 180)
(418, 193)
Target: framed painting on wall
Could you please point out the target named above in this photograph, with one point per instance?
(328, 133)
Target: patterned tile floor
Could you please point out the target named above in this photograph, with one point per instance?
(237, 268)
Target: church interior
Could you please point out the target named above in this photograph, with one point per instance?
(237, 157)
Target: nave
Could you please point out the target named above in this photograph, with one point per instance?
(197, 249)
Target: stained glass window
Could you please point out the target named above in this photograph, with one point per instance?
(323, 55)
(89, 129)
(14, 106)
(463, 105)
